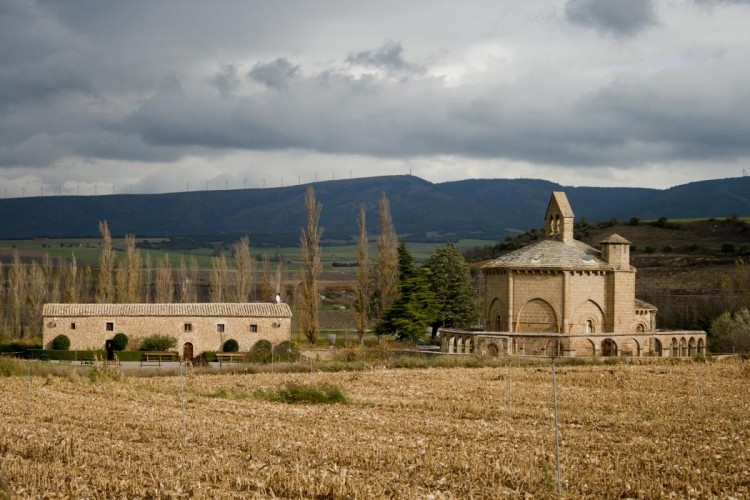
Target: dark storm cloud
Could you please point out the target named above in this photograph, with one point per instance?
(34, 64)
(276, 74)
(389, 57)
(618, 17)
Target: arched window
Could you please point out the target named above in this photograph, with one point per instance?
(589, 326)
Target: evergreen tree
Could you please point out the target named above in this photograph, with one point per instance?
(415, 309)
(450, 281)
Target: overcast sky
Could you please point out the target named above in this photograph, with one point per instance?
(155, 96)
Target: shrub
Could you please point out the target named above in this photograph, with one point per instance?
(634, 221)
(231, 345)
(61, 343)
(261, 352)
(727, 248)
(120, 341)
(158, 342)
(286, 351)
(298, 393)
(667, 249)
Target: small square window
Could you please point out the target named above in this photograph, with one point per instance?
(220, 328)
(110, 326)
(72, 326)
(253, 328)
(188, 327)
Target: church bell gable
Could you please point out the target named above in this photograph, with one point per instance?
(558, 221)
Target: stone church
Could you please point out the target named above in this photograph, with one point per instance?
(561, 297)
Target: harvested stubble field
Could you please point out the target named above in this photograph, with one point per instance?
(633, 430)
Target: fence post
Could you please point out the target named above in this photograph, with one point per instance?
(557, 429)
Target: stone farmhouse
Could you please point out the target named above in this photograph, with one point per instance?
(197, 327)
(561, 297)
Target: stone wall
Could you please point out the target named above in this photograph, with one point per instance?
(203, 332)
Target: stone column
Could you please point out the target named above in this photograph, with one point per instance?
(511, 326)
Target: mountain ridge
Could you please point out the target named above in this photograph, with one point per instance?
(489, 209)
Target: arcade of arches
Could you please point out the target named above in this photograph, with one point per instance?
(662, 344)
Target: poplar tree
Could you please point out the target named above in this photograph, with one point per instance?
(386, 266)
(37, 296)
(242, 282)
(73, 282)
(147, 276)
(362, 287)
(105, 293)
(311, 267)
(218, 279)
(267, 280)
(164, 282)
(16, 295)
(188, 276)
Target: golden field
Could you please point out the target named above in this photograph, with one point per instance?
(627, 430)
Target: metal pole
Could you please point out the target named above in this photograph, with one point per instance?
(510, 386)
(28, 392)
(557, 430)
(182, 395)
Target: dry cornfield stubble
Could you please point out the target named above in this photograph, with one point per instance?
(626, 430)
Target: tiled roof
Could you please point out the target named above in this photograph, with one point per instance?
(615, 238)
(254, 309)
(552, 253)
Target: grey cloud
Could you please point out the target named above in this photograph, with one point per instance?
(276, 74)
(226, 79)
(625, 123)
(617, 17)
(388, 57)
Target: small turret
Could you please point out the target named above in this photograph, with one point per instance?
(616, 252)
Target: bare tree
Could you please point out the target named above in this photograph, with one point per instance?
(267, 280)
(311, 267)
(37, 295)
(105, 293)
(188, 276)
(16, 295)
(386, 265)
(280, 284)
(73, 282)
(147, 277)
(128, 278)
(51, 279)
(87, 285)
(362, 289)
(2, 298)
(218, 279)
(164, 282)
(242, 282)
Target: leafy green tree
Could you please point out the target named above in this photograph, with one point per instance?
(120, 341)
(158, 342)
(61, 343)
(450, 281)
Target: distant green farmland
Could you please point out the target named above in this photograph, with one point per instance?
(87, 250)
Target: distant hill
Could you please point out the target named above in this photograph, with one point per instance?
(422, 211)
